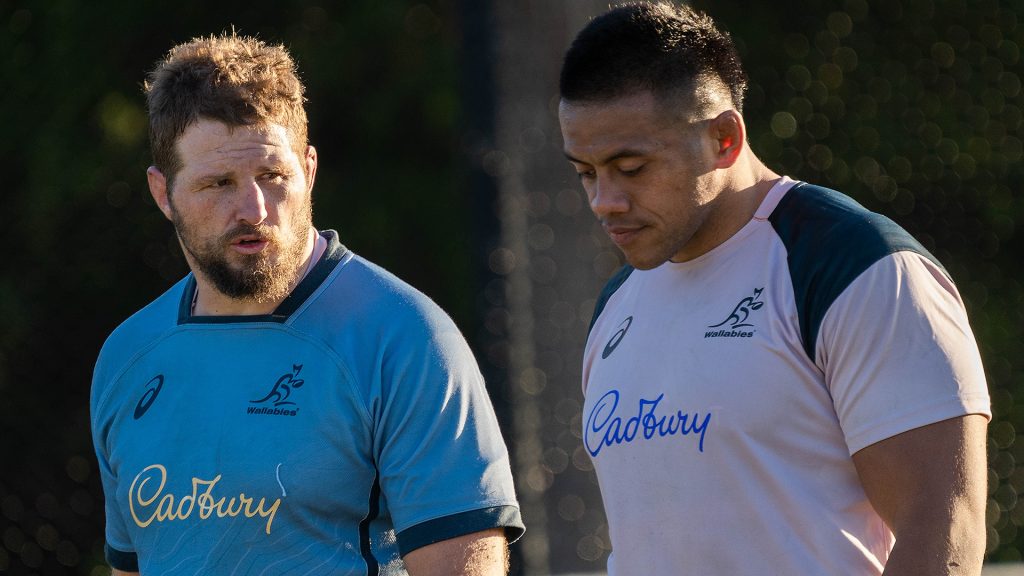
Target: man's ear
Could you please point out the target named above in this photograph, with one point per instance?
(310, 165)
(730, 135)
(158, 189)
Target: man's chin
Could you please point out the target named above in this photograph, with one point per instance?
(240, 262)
(261, 283)
(642, 261)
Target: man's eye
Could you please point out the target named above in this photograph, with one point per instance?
(631, 170)
(585, 174)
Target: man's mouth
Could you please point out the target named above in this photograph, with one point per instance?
(622, 235)
(249, 244)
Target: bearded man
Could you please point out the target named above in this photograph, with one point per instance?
(288, 407)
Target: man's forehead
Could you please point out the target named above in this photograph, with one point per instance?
(686, 99)
(210, 141)
(628, 114)
(207, 127)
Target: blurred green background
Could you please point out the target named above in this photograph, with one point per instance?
(914, 107)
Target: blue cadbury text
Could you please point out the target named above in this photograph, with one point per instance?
(605, 427)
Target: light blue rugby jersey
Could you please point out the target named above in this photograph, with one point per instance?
(348, 428)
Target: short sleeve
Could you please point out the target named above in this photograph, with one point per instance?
(119, 551)
(443, 465)
(898, 352)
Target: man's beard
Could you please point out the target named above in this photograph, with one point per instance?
(255, 278)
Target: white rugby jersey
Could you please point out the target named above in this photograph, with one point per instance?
(725, 395)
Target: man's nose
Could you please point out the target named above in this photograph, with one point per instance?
(252, 204)
(607, 197)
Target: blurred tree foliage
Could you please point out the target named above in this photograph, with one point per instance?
(914, 107)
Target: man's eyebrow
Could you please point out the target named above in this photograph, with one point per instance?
(274, 162)
(274, 167)
(624, 153)
(212, 177)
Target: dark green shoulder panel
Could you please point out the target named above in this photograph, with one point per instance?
(613, 284)
(830, 240)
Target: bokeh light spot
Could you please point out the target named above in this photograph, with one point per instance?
(783, 124)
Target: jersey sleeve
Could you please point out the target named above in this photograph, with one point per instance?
(119, 552)
(898, 352)
(443, 465)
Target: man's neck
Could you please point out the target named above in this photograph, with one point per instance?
(209, 301)
(752, 178)
(748, 185)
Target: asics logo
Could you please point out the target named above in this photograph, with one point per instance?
(613, 343)
(152, 389)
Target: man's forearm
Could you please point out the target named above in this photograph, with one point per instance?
(478, 554)
(953, 545)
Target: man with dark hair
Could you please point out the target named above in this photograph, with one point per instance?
(288, 407)
(779, 381)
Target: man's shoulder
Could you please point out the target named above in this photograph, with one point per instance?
(830, 240)
(143, 327)
(813, 220)
(365, 294)
(374, 323)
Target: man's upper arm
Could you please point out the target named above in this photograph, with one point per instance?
(116, 572)
(929, 486)
(443, 467)
(909, 389)
(897, 351)
(477, 554)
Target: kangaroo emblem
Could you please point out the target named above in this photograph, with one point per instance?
(283, 388)
(739, 314)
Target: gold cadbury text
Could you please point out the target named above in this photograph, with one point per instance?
(149, 504)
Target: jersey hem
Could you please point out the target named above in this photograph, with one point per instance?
(448, 527)
(954, 407)
(124, 561)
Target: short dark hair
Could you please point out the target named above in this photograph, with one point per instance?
(649, 46)
(237, 80)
